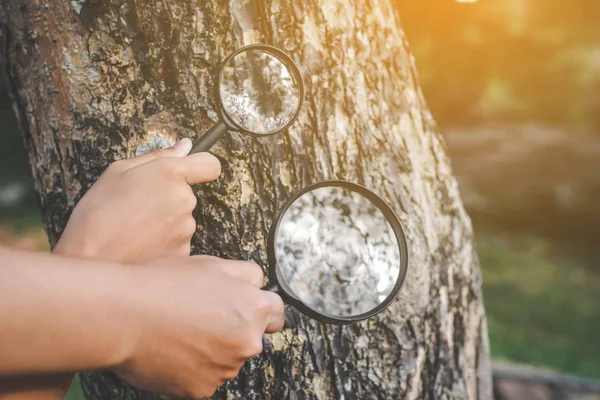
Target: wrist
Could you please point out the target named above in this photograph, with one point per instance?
(115, 283)
(124, 315)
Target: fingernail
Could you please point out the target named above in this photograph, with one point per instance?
(180, 143)
(183, 147)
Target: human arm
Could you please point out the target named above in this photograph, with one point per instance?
(138, 210)
(47, 299)
(61, 314)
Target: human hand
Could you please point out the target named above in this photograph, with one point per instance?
(141, 208)
(179, 326)
(197, 322)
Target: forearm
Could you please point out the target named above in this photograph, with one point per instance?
(60, 314)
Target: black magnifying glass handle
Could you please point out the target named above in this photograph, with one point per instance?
(272, 287)
(209, 138)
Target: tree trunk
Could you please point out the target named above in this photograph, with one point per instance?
(98, 80)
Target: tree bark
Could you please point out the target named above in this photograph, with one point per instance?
(98, 80)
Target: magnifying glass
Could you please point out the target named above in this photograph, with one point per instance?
(337, 253)
(259, 91)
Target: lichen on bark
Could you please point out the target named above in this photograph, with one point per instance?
(93, 81)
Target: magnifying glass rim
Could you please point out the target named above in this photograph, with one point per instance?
(281, 56)
(288, 294)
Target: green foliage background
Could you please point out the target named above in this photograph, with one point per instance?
(507, 59)
(531, 67)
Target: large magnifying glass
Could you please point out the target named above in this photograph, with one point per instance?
(337, 253)
(259, 91)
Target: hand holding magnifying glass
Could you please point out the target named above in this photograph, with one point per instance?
(259, 91)
(337, 253)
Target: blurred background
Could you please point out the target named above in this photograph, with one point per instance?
(515, 88)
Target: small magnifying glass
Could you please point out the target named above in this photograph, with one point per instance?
(337, 253)
(259, 91)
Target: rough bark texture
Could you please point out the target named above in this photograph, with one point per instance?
(98, 80)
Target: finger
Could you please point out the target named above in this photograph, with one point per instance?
(179, 149)
(245, 271)
(276, 317)
(200, 167)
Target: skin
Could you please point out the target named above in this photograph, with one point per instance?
(138, 211)
(64, 314)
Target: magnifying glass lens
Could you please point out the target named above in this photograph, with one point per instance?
(259, 92)
(337, 252)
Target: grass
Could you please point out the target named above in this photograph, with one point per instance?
(20, 219)
(75, 392)
(542, 309)
(21, 227)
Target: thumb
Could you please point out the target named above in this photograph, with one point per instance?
(180, 149)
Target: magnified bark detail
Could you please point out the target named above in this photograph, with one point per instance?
(337, 252)
(259, 92)
(94, 81)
